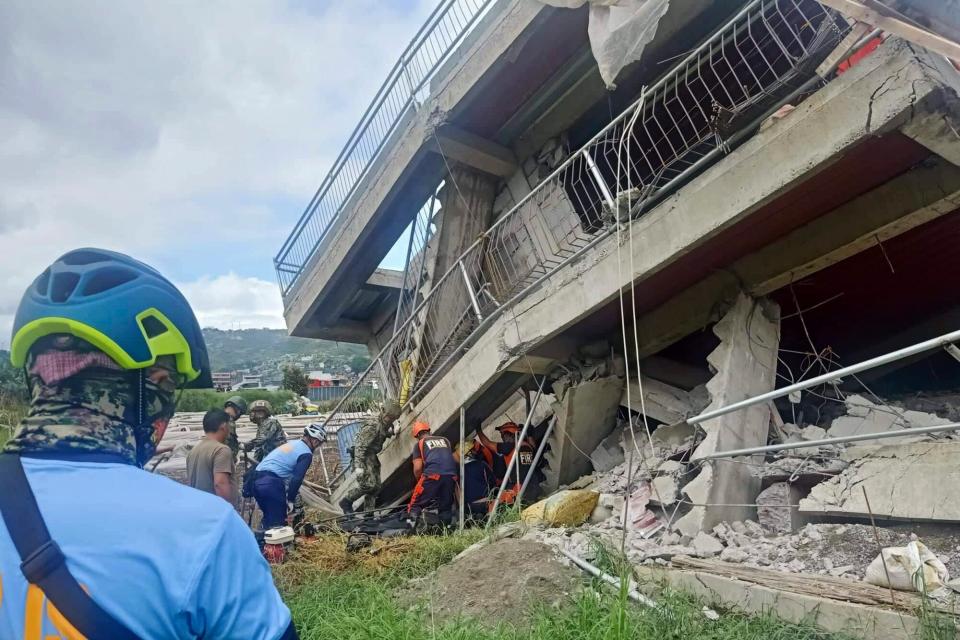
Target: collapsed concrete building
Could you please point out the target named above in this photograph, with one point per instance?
(648, 211)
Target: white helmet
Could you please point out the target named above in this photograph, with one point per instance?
(315, 430)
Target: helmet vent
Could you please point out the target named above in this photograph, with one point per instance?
(43, 283)
(153, 327)
(63, 286)
(83, 257)
(106, 279)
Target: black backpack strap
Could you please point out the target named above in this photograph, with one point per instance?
(42, 562)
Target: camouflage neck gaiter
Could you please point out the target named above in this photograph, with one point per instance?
(99, 408)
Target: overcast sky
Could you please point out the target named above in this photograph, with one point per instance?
(187, 134)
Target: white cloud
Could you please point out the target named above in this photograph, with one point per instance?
(188, 134)
(232, 302)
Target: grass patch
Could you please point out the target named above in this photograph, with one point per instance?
(335, 595)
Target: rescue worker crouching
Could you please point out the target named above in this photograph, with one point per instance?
(502, 453)
(374, 431)
(280, 474)
(270, 433)
(435, 469)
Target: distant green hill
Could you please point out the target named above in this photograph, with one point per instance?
(247, 348)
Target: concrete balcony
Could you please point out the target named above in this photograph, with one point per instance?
(522, 74)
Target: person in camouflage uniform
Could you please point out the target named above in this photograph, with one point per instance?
(270, 434)
(235, 406)
(374, 431)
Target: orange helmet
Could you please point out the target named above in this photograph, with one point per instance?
(420, 427)
(509, 427)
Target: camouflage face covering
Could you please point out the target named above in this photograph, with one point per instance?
(97, 409)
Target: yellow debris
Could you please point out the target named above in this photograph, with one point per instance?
(564, 508)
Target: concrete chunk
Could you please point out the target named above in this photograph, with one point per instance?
(903, 482)
(864, 416)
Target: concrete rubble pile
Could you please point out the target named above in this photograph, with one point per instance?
(811, 515)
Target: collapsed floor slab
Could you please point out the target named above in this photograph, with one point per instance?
(902, 482)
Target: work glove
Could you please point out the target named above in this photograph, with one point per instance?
(358, 471)
(290, 507)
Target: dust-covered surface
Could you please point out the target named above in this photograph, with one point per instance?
(495, 583)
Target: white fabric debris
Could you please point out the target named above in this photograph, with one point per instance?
(619, 30)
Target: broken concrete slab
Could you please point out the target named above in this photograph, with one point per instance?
(777, 508)
(903, 482)
(865, 416)
(661, 401)
(665, 491)
(609, 453)
(706, 546)
(673, 438)
(585, 416)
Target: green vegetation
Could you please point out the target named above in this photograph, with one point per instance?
(335, 595)
(295, 380)
(249, 348)
(206, 399)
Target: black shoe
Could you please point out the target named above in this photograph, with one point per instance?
(346, 505)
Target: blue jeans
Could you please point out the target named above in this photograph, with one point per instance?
(271, 496)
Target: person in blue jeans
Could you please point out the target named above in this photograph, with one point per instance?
(113, 551)
(281, 473)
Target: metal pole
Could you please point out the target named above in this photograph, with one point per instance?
(953, 426)
(463, 464)
(632, 592)
(540, 450)
(832, 376)
(598, 177)
(323, 463)
(516, 446)
(470, 292)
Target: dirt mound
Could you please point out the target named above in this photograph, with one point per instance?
(495, 583)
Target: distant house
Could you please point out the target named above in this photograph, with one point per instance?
(223, 380)
(326, 386)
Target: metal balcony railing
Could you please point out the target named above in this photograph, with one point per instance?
(396, 99)
(688, 119)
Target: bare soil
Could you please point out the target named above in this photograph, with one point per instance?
(494, 583)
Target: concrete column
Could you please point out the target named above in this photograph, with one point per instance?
(466, 207)
(745, 364)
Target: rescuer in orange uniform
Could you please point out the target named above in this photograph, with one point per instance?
(502, 453)
(435, 469)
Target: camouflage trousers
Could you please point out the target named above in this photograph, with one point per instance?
(368, 484)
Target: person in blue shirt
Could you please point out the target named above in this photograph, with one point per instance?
(105, 342)
(281, 473)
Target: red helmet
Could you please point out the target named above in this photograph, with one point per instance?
(509, 427)
(420, 427)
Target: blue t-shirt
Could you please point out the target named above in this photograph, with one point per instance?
(283, 460)
(165, 560)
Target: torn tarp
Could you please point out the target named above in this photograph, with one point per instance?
(619, 30)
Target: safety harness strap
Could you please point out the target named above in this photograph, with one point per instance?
(43, 563)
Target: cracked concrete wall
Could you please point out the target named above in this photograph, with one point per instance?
(745, 363)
